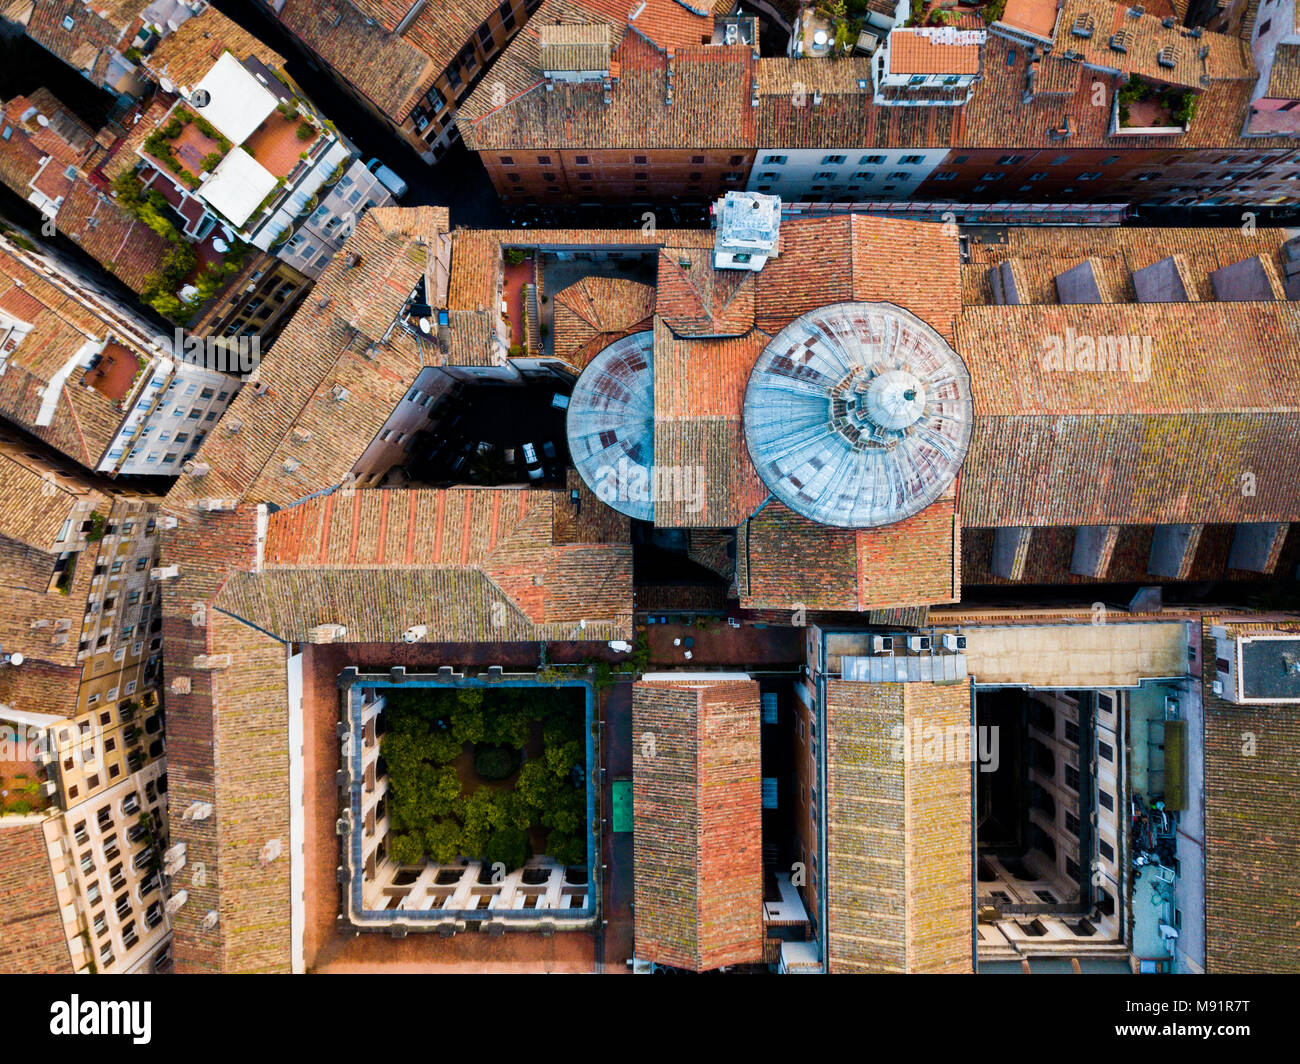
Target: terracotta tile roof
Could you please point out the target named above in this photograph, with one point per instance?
(574, 47)
(1040, 253)
(914, 265)
(33, 509)
(806, 103)
(1031, 16)
(998, 116)
(1144, 39)
(1284, 77)
(697, 823)
(694, 299)
(710, 85)
(1170, 448)
(85, 421)
(784, 561)
(188, 53)
(332, 340)
(228, 745)
(699, 398)
(129, 249)
(96, 30)
(898, 832)
(378, 560)
(596, 311)
(27, 574)
(924, 51)
(391, 71)
(39, 687)
(1053, 76)
(1252, 828)
(32, 938)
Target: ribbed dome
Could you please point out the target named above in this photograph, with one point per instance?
(611, 425)
(858, 414)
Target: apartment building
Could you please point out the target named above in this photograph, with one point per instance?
(85, 759)
(411, 65)
(108, 389)
(1039, 107)
(592, 106)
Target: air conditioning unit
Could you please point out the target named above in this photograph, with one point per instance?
(415, 633)
(1217, 687)
(176, 901)
(340, 394)
(918, 644)
(50, 788)
(289, 465)
(301, 435)
(169, 522)
(181, 685)
(234, 426)
(882, 644)
(209, 919)
(197, 811)
(40, 624)
(954, 643)
(196, 469)
(164, 572)
(326, 633)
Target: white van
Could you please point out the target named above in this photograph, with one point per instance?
(388, 179)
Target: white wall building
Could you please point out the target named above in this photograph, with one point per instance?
(822, 174)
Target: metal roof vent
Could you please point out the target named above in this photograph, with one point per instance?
(200, 98)
(858, 415)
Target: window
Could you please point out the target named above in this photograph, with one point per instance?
(507, 160)
(1105, 752)
(1072, 868)
(1072, 732)
(640, 160)
(1072, 778)
(1107, 802)
(1090, 175)
(768, 160)
(911, 160)
(543, 160)
(696, 160)
(945, 175)
(899, 175)
(871, 160)
(994, 175)
(1107, 850)
(736, 160)
(1010, 160)
(827, 160)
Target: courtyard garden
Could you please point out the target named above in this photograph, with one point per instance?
(496, 774)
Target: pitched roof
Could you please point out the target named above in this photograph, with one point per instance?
(97, 32)
(710, 86)
(334, 339)
(1284, 76)
(85, 420)
(574, 46)
(33, 508)
(188, 52)
(391, 70)
(228, 745)
(898, 831)
(592, 313)
(1252, 828)
(822, 104)
(107, 232)
(785, 561)
(474, 565)
(1167, 54)
(699, 400)
(1167, 441)
(32, 938)
(697, 823)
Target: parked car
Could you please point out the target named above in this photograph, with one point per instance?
(532, 465)
(388, 179)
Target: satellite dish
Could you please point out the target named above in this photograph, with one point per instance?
(820, 37)
(220, 245)
(167, 85)
(41, 120)
(425, 327)
(200, 97)
(15, 658)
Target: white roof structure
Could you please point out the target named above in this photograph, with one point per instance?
(858, 415)
(611, 425)
(237, 103)
(237, 187)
